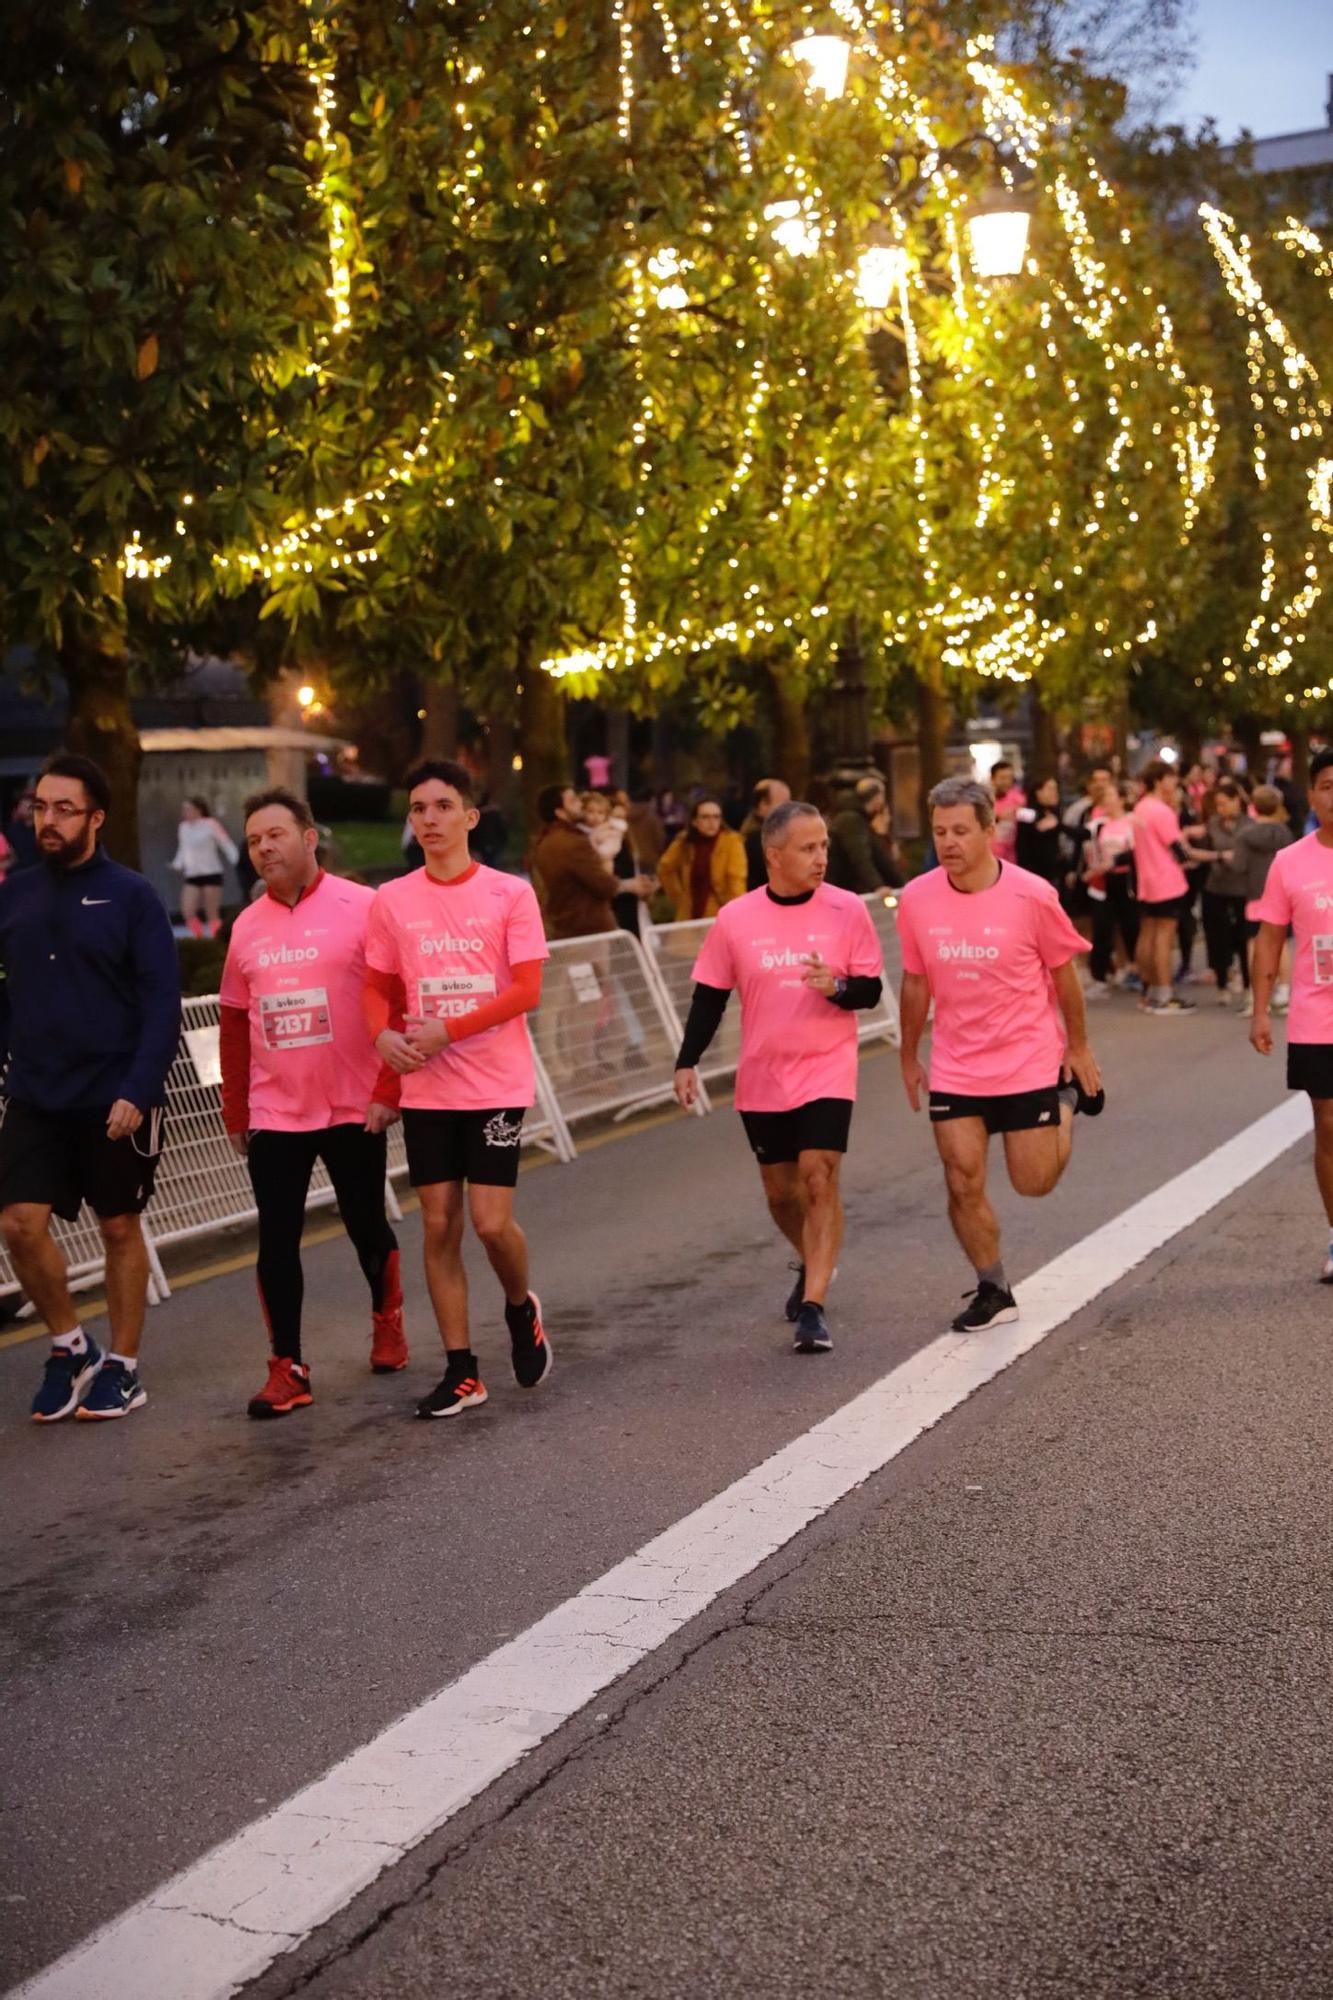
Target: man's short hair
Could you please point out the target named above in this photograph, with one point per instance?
(69, 764)
(1321, 761)
(1000, 764)
(951, 792)
(1267, 800)
(778, 823)
(447, 772)
(549, 801)
(870, 788)
(278, 795)
(1153, 772)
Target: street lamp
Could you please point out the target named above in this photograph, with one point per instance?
(825, 58)
(793, 228)
(997, 233)
(879, 272)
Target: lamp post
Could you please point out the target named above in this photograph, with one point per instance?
(825, 58)
(998, 224)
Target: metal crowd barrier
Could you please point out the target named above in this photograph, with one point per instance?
(606, 1031)
(605, 1039)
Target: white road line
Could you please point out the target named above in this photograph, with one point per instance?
(218, 1924)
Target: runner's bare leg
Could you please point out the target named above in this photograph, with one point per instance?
(126, 1280)
(1037, 1159)
(821, 1235)
(38, 1264)
(782, 1187)
(446, 1280)
(962, 1144)
(492, 1210)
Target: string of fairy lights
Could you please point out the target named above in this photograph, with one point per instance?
(1146, 411)
(1287, 402)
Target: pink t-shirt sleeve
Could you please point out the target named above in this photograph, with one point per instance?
(1274, 906)
(865, 959)
(913, 962)
(716, 964)
(381, 945)
(1056, 939)
(525, 934)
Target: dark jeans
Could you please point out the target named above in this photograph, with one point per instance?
(1118, 913)
(1225, 932)
(281, 1164)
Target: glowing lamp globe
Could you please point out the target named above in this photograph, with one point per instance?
(997, 234)
(879, 272)
(825, 59)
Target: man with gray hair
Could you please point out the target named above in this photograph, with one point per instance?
(989, 944)
(804, 957)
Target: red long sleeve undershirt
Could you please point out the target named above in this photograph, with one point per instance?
(234, 1055)
(384, 1003)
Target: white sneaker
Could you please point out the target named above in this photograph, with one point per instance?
(1096, 989)
(1281, 999)
(1246, 1008)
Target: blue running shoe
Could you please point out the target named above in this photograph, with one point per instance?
(812, 1335)
(115, 1393)
(65, 1382)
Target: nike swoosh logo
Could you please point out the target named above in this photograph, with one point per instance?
(95, 902)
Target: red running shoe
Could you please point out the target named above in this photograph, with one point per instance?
(388, 1345)
(287, 1389)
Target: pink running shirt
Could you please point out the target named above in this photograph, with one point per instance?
(795, 1045)
(298, 973)
(988, 957)
(1299, 892)
(1160, 876)
(452, 944)
(1004, 834)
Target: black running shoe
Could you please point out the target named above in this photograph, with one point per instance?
(797, 1292)
(1085, 1106)
(529, 1346)
(462, 1389)
(991, 1306)
(811, 1334)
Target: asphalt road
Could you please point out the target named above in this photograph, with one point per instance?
(1038, 1712)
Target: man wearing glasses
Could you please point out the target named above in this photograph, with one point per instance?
(89, 1021)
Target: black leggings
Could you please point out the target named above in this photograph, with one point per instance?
(281, 1164)
(1224, 928)
(1118, 912)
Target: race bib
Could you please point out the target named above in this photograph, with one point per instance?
(295, 1020)
(451, 994)
(1321, 946)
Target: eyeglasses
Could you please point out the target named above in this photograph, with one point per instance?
(62, 809)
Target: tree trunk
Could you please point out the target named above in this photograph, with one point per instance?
(99, 725)
(541, 735)
(791, 730)
(1045, 742)
(1247, 730)
(439, 729)
(932, 726)
(502, 780)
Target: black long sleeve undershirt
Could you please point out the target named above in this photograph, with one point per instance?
(709, 1004)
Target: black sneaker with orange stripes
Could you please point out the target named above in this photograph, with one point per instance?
(529, 1346)
(461, 1389)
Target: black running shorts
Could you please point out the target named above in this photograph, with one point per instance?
(60, 1159)
(1310, 1067)
(1169, 912)
(822, 1126)
(477, 1146)
(1021, 1111)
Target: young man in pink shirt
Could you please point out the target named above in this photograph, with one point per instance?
(1010, 801)
(301, 1082)
(454, 958)
(1163, 890)
(1299, 894)
(991, 946)
(804, 957)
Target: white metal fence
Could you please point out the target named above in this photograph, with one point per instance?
(605, 1036)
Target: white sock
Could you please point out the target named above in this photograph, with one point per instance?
(129, 1362)
(72, 1343)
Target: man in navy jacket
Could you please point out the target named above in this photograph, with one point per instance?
(89, 1022)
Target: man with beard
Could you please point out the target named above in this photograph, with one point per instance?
(89, 1022)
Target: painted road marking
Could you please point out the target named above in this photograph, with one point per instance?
(221, 1922)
